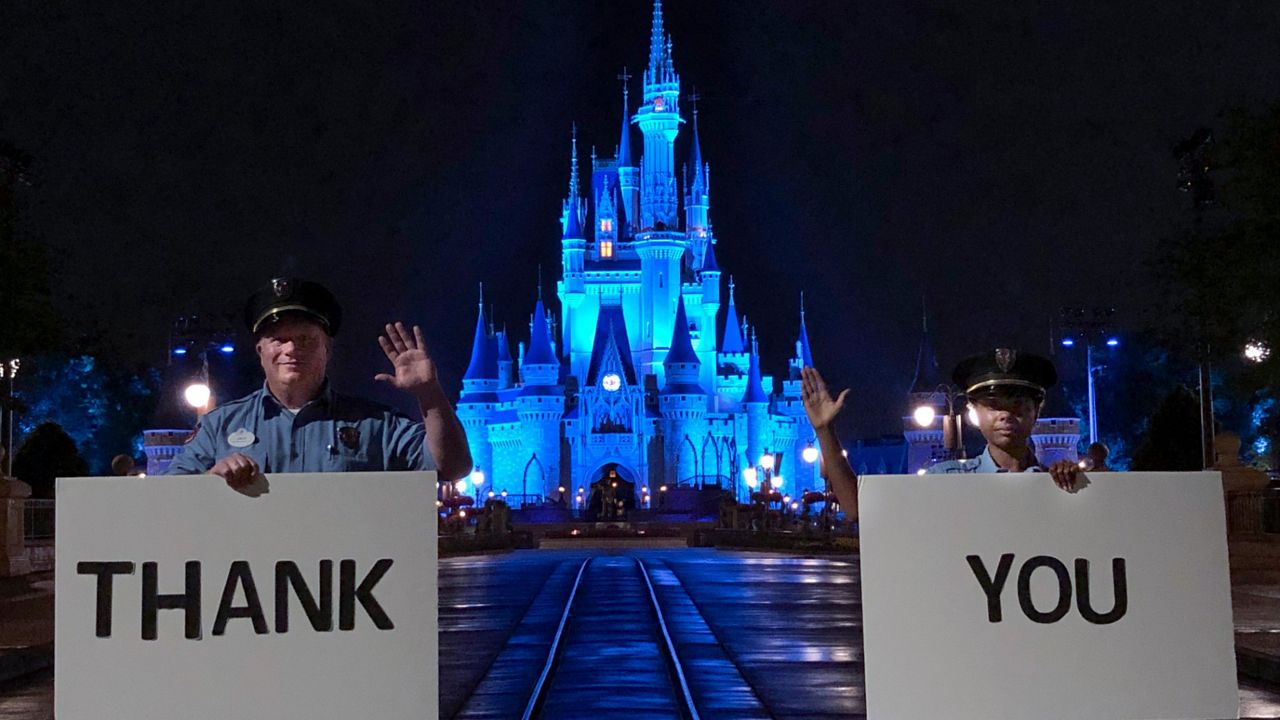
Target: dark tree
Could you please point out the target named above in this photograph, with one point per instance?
(48, 453)
(1172, 437)
(28, 323)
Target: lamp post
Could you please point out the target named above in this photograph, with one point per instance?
(477, 480)
(763, 474)
(1092, 327)
(952, 424)
(9, 370)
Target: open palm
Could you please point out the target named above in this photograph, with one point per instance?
(821, 408)
(414, 370)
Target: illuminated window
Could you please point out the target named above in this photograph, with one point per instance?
(659, 103)
(606, 225)
(606, 248)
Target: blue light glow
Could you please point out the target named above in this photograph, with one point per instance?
(1113, 342)
(179, 351)
(227, 349)
(1068, 342)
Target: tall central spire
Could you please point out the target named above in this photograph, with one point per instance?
(573, 165)
(657, 40)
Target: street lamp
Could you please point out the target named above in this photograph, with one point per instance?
(197, 395)
(1092, 327)
(9, 370)
(1256, 351)
(952, 425)
(810, 454)
(477, 479)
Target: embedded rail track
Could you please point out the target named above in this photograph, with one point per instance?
(612, 648)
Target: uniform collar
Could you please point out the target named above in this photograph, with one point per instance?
(273, 406)
(988, 464)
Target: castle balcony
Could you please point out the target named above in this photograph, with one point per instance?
(601, 441)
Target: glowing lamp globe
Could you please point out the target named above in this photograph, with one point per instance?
(197, 394)
(924, 415)
(460, 486)
(766, 461)
(749, 476)
(477, 477)
(810, 454)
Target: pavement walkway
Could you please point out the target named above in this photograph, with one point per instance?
(26, 644)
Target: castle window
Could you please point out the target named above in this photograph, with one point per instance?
(606, 225)
(606, 247)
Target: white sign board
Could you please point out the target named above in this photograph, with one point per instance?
(1001, 596)
(178, 597)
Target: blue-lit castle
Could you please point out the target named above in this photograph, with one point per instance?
(634, 379)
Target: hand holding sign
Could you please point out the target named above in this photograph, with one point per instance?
(238, 469)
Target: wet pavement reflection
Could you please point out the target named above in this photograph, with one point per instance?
(758, 635)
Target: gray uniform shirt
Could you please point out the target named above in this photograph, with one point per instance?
(333, 433)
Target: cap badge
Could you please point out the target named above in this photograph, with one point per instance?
(281, 287)
(1005, 358)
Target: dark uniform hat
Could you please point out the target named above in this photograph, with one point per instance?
(1005, 370)
(291, 295)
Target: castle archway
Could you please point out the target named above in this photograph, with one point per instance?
(611, 483)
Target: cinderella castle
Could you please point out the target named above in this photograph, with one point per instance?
(632, 380)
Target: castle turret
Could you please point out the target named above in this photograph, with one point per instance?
(707, 346)
(659, 121)
(756, 403)
(540, 406)
(479, 400)
(1056, 435)
(628, 170)
(697, 200)
(683, 401)
(925, 443)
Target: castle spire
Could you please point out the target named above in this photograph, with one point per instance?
(697, 181)
(732, 341)
(681, 344)
(927, 378)
(624, 141)
(755, 386)
(540, 352)
(656, 43)
(573, 165)
(572, 227)
(484, 363)
(572, 201)
(805, 356)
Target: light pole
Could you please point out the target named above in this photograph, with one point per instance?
(1092, 327)
(9, 370)
(477, 479)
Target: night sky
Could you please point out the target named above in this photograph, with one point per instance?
(997, 162)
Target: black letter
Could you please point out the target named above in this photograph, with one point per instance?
(350, 593)
(1121, 593)
(990, 587)
(1064, 589)
(239, 574)
(189, 601)
(321, 616)
(105, 571)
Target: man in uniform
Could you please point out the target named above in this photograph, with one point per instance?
(297, 423)
(1006, 389)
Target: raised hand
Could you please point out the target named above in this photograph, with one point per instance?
(821, 408)
(415, 371)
